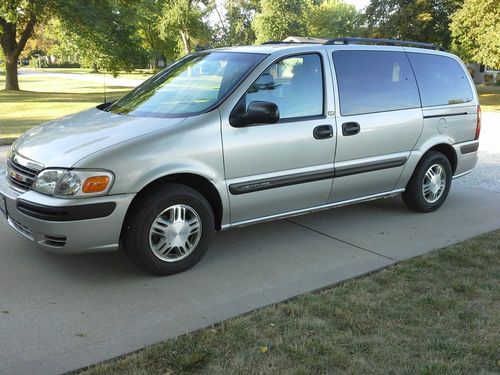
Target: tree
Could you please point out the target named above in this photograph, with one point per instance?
(98, 25)
(184, 19)
(64, 47)
(104, 31)
(422, 20)
(148, 17)
(16, 18)
(236, 23)
(331, 19)
(475, 29)
(279, 19)
(41, 42)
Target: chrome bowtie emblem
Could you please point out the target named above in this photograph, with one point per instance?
(17, 176)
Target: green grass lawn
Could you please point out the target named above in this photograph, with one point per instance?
(435, 314)
(43, 99)
(489, 98)
(136, 74)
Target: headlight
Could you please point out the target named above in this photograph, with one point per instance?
(46, 181)
(73, 183)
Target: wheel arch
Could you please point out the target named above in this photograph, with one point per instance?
(442, 145)
(448, 151)
(196, 182)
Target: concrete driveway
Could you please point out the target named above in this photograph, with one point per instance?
(59, 313)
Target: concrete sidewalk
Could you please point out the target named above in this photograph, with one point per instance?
(59, 313)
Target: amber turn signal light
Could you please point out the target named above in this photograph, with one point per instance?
(95, 184)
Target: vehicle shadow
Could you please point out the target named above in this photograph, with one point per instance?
(242, 243)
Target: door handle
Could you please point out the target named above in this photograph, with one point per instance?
(350, 128)
(323, 132)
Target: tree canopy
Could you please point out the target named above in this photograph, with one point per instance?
(184, 19)
(331, 19)
(148, 13)
(235, 22)
(476, 32)
(123, 34)
(100, 27)
(422, 20)
(278, 19)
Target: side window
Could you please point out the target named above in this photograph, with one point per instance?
(374, 81)
(441, 79)
(294, 84)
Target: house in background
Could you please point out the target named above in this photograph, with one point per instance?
(304, 39)
(481, 73)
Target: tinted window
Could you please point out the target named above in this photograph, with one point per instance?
(441, 79)
(190, 86)
(295, 84)
(374, 81)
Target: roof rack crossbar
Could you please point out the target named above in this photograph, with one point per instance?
(389, 42)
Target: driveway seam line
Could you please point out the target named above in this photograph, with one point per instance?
(338, 239)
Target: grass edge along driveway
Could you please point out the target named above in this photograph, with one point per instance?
(435, 314)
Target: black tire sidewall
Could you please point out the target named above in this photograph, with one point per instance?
(413, 196)
(141, 217)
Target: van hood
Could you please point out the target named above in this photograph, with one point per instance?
(63, 142)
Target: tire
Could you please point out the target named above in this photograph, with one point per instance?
(433, 170)
(160, 232)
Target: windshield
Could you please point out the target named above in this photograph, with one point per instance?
(190, 86)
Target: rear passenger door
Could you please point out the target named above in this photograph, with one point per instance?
(378, 117)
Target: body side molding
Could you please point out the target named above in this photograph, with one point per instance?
(300, 178)
(446, 115)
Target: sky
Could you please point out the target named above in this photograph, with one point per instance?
(359, 4)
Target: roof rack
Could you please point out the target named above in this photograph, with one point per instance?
(388, 42)
(281, 42)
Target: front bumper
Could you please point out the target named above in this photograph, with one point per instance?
(66, 225)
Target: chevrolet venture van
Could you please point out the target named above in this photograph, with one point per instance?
(234, 136)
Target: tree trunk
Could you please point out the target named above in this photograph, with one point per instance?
(12, 48)
(186, 42)
(11, 81)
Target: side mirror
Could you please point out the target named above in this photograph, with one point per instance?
(257, 113)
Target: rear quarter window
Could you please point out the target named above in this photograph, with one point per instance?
(441, 80)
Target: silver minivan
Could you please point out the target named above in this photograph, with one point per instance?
(234, 136)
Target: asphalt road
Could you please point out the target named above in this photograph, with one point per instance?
(59, 313)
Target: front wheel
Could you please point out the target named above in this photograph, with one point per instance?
(430, 183)
(168, 230)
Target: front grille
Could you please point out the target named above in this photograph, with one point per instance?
(20, 177)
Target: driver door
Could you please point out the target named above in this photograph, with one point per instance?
(277, 168)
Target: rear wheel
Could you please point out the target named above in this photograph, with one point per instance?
(429, 186)
(168, 230)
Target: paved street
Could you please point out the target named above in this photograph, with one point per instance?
(59, 313)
